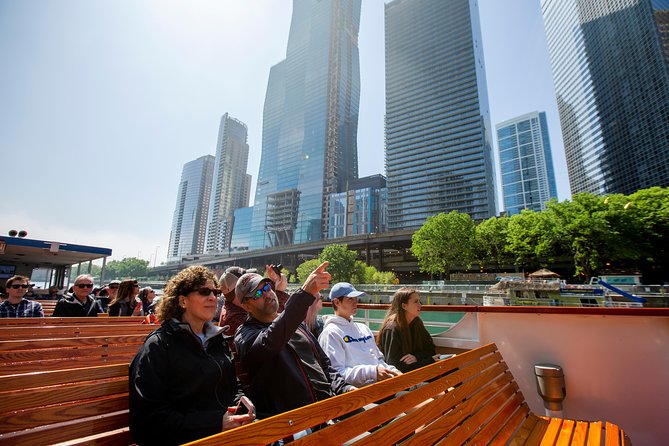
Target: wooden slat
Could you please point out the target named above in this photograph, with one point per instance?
(55, 377)
(105, 356)
(70, 320)
(580, 433)
(7, 358)
(40, 416)
(112, 438)
(54, 331)
(28, 398)
(595, 433)
(612, 434)
(552, 432)
(518, 429)
(60, 432)
(566, 433)
(30, 344)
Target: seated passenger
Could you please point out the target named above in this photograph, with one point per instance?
(126, 303)
(287, 368)
(403, 338)
(80, 303)
(16, 304)
(182, 381)
(350, 345)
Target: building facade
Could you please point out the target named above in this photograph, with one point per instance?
(360, 210)
(310, 120)
(438, 133)
(189, 223)
(611, 76)
(231, 183)
(526, 163)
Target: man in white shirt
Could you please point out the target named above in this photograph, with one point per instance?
(350, 345)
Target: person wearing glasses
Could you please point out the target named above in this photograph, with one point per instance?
(80, 303)
(16, 305)
(126, 302)
(350, 345)
(286, 367)
(182, 381)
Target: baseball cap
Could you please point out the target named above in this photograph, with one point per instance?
(229, 278)
(247, 284)
(343, 289)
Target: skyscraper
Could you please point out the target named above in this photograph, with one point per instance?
(360, 210)
(310, 123)
(190, 214)
(438, 132)
(611, 78)
(526, 163)
(231, 183)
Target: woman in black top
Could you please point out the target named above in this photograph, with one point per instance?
(182, 382)
(403, 338)
(125, 302)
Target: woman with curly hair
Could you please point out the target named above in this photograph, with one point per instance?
(182, 381)
(403, 338)
(125, 303)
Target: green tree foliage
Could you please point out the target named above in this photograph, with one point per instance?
(529, 238)
(95, 271)
(490, 242)
(305, 268)
(342, 262)
(444, 241)
(369, 274)
(130, 267)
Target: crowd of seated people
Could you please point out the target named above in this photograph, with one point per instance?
(184, 381)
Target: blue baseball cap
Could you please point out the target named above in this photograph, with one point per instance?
(344, 289)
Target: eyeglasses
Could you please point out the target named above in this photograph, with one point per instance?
(258, 293)
(83, 285)
(206, 291)
(16, 287)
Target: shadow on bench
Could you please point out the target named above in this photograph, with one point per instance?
(471, 398)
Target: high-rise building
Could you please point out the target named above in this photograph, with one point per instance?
(190, 214)
(360, 210)
(231, 187)
(438, 133)
(310, 122)
(526, 163)
(611, 76)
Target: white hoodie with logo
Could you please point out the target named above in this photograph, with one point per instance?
(352, 350)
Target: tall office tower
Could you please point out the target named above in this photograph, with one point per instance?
(611, 77)
(528, 178)
(438, 151)
(231, 183)
(189, 223)
(310, 123)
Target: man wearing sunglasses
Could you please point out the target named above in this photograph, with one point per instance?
(80, 303)
(16, 305)
(285, 365)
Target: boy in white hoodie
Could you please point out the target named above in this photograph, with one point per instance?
(350, 345)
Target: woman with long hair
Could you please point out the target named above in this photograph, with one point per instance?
(182, 381)
(403, 338)
(146, 296)
(125, 302)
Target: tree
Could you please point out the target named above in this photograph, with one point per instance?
(444, 241)
(342, 262)
(369, 274)
(490, 242)
(128, 267)
(305, 268)
(529, 238)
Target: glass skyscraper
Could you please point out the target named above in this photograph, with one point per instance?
(438, 132)
(310, 122)
(611, 78)
(526, 163)
(360, 210)
(231, 187)
(190, 214)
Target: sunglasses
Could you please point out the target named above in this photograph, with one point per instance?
(16, 287)
(135, 285)
(206, 291)
(258, 293)
(84, 285)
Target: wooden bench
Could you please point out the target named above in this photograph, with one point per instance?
(34, 321)
(67, 389)
(471, 398)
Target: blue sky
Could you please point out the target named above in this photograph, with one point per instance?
(103, 101)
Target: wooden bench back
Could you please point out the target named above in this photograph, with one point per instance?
(62, 405)
(8, 332)
(470, 397)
